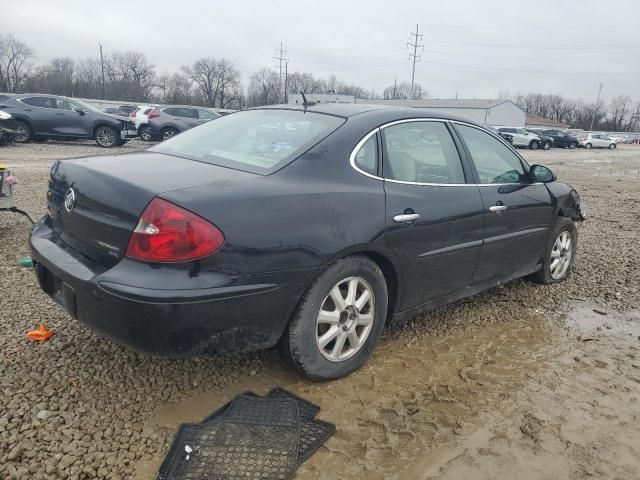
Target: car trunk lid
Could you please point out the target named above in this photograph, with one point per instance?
(95, 203)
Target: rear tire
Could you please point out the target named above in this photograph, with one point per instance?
(559, 256)
(25, 134)
(326, 339)
(612, 146)
(587, 145)
(106, 137)
(534, 145)
(145, 133)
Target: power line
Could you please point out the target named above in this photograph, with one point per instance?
(414, 55)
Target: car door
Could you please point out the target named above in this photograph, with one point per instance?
(559, 138)
(518, 213)
(41, 112)
(70, 122)
(434, 218)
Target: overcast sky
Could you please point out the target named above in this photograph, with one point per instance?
(473, 48)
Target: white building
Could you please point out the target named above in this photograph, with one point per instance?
(321, 98)
(481, 111)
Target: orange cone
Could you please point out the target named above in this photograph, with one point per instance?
(41, 334)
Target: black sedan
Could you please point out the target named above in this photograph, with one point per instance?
(309, 226)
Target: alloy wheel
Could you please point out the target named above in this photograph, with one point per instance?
(105, 137)
(145, 134)
(168, 133)
(23, 133)
(345, 319)
(561, 255)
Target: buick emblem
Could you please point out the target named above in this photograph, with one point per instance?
(69, 200)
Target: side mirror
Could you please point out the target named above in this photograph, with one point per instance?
(540, 173)
(80, 111)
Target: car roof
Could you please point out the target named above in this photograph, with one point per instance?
(382, 112)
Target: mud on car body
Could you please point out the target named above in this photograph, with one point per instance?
(306, 226)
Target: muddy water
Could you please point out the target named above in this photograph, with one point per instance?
(397, 414)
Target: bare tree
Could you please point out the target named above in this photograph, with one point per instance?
(264, 88)
(402, 91)
(15, 63)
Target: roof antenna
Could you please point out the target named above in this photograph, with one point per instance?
(305, 102)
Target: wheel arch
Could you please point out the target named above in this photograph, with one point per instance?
(388, 263)
(101, 124)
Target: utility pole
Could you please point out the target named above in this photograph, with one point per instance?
(286, 81)
(280, 58)
(102, 66)
(395, 86)
(415, 55)
(595, 109)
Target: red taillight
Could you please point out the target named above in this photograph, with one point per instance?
(153, 114)
(133, 114)
(168, 233)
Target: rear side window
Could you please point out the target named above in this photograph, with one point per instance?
(494, 161)
(257, 141)
(366, 158)
(147, 110)
(42, 102)
(421, 152)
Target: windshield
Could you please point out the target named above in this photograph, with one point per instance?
(257, 141)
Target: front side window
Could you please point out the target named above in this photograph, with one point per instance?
(66, 105)
(421, 152)
(494, 161)
(257, 141)
(205, 115)
(367, 156)
(42, 102)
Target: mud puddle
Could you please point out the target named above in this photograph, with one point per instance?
(397, 414)
(590, 319)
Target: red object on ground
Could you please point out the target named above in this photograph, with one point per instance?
(41, 334)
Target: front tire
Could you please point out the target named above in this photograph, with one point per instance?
(168, 133)
(25, 134)
(106, 137)
(546, 146)
(587, 145)
(339, 320)
(612, 146)
(534, 145)
(560, 253)
(572, 145)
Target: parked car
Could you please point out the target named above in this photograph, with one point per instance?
(546, 142)
(522, 138)
(165, 122)
(508, 137)
(141, 119)
(49, 116)
(597, 140)
(288, 225)
(561, 139)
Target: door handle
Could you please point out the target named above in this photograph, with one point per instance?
(497, 208)
(406, 217)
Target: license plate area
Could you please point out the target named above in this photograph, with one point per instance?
(59, 291)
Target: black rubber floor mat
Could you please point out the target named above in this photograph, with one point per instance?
(255, 438)
(313, 433)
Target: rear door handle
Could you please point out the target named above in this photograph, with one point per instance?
(497, 208)
(406, 217)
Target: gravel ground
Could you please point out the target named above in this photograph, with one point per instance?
(82, 407)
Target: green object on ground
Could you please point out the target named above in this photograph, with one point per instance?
(25, 262)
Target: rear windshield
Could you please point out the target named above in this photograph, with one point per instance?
(257, 141)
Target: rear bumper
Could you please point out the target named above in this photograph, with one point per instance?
(168, 309)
